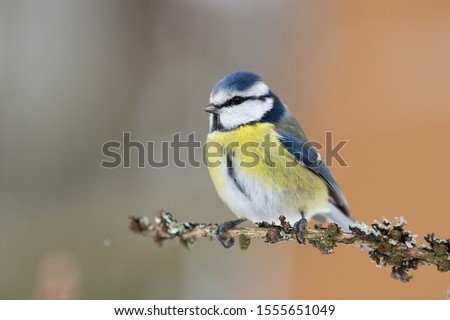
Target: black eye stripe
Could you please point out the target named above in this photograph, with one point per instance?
(230, 103)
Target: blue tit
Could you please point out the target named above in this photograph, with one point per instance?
(260, 162)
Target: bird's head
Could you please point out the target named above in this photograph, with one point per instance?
(242, 98)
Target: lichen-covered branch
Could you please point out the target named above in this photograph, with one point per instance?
(388, 244)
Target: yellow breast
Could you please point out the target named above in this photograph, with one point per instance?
(260, 159)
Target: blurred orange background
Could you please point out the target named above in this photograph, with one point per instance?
(76, 74)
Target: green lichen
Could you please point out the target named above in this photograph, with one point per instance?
(210, 232)
(326, 242)
(285, 235)
(244, 242)
(188, 242)
(439, 251)
(441, 257)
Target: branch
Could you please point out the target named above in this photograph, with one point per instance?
(388, 244)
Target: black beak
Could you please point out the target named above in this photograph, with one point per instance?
(211, 108)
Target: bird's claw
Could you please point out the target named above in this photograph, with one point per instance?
(222, 229)
(299, 228)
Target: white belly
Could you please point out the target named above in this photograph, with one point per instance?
(249, 198)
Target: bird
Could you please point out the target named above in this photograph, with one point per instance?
(261, 163)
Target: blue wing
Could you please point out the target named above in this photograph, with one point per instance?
(308, 157)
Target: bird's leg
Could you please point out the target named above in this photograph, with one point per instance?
(223, 228)
(299, 228)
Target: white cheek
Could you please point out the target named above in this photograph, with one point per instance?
(246, 112)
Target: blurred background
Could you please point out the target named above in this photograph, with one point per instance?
(75, 74)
